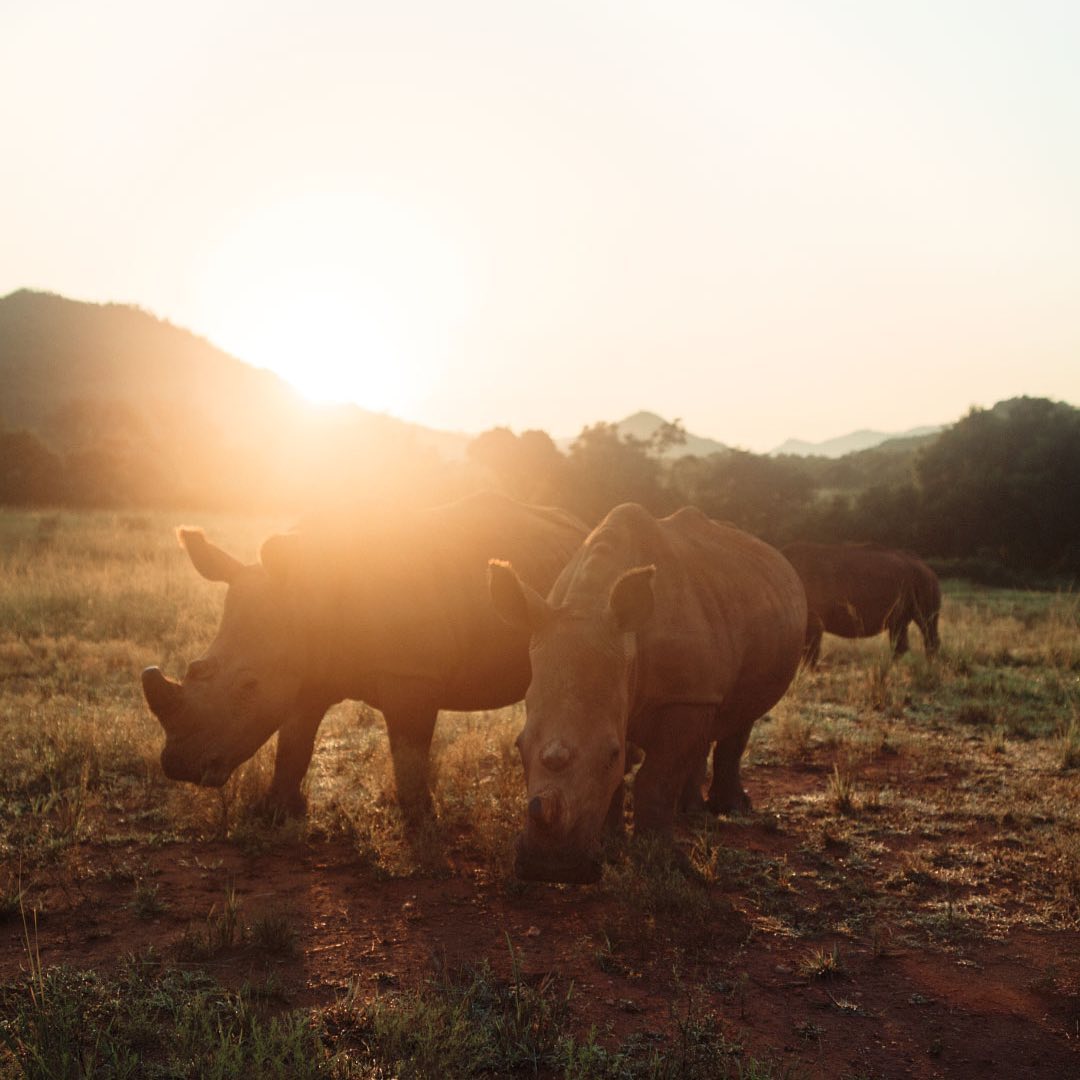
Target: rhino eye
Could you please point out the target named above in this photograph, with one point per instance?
(613, 755)
(247, 684)
(201, 669)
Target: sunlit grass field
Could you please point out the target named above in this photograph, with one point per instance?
(926, 806)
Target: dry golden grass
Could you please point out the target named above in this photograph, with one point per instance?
(914, 805)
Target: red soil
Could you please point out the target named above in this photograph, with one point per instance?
(1008, 1008)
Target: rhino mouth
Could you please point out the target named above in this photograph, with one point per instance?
(569, 869)
(205, 773)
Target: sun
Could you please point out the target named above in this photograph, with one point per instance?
(348, 298)
(323, 333)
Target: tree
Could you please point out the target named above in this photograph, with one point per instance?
(1005, 481)
(766, 496)
(606, 469)
(30, 473)
(528, 466)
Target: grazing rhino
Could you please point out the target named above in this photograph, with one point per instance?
(394, 612)
(858, 590)
(664, 636)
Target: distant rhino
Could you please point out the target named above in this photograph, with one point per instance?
(392, 611)
(661, 635)
(858, 590)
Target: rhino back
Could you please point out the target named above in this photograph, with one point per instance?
(729, 609)
(407, 595)
(731, 617)
(853, 588)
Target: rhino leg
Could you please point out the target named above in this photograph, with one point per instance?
(295, 745)
(615, 822)
(673, 760)
(929, 628)
(410, 731)
(812, 648)
(898, 635)
(692, 799)
(727, 795)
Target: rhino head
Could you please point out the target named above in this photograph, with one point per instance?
(573, 746)
(233, 698)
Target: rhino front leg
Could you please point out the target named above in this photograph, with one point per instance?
(615, 821)
(410, 748)
(295, 745)
(410, 712)
(673, 762)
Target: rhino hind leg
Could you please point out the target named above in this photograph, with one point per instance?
(726, 793)
(898, 636)
(692, 799)
(928, 627)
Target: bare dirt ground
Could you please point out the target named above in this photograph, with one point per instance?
(869, 999)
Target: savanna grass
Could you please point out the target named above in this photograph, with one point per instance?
(951, 817)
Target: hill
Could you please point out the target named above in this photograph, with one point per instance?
(643, 425)
(852, 443)
(167, 416)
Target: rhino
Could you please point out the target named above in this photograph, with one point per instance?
(660, 637)
(858, 590)
(391, 610)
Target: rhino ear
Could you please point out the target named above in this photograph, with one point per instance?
(278, 555)
(632, 598)
(213, 563)
(516, 602)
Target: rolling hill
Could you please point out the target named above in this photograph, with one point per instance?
(164, 415)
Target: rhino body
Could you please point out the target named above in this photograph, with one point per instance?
(858, 590)
(664, 636)
(392, 611)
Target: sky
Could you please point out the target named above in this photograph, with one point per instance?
(785, 218)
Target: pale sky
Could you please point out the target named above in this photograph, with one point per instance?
(767, 218)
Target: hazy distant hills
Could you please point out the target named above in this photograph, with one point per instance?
(60, 357)
(849, 444)
(55, 351)
(143, 412)
(76, 373)
(643, 425)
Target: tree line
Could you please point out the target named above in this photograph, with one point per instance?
(995, 495)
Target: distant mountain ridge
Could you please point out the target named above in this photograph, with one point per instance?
(851, 443)
(643, 425)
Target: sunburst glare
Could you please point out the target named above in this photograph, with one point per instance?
(345, 296)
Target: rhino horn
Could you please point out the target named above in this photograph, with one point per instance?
(555, 756)
(544, 809)
(162, 695)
